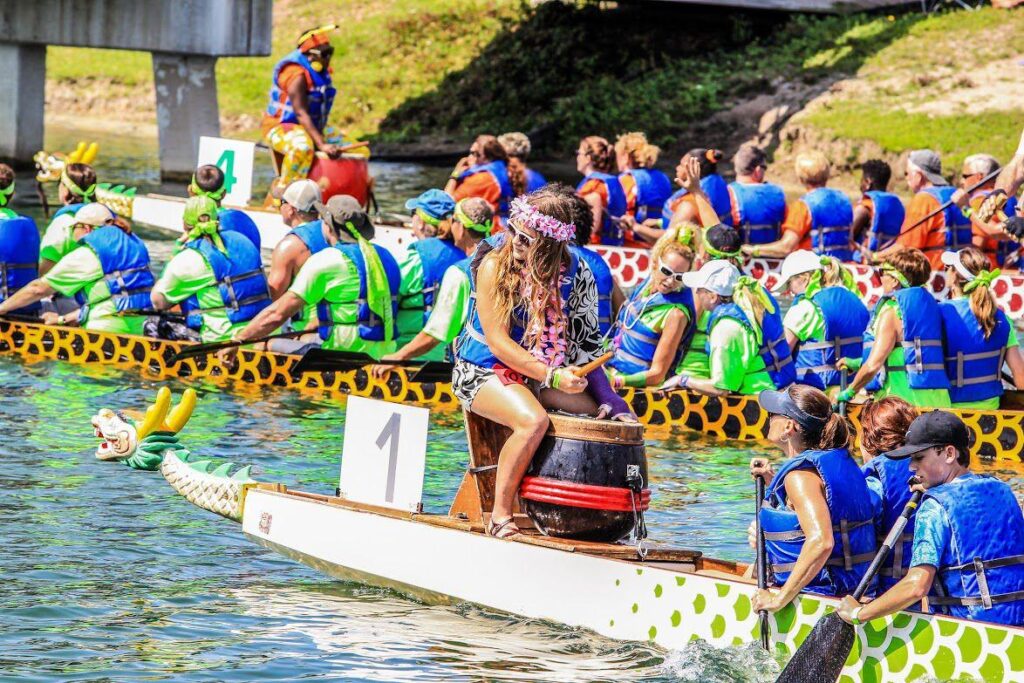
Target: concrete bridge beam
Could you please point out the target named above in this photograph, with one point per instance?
(186, 108)
(23, 84)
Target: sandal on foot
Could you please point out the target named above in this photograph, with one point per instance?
(505, 529)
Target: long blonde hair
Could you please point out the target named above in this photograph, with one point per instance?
(641, 153)
(983, 304)
(675, 240)
(540, 274)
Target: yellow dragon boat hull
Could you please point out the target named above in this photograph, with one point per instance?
(996, 435)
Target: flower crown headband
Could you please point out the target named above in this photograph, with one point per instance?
(523, 213)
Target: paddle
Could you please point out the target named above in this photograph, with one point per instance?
(939, 210)
(319, 360)
(842, 388)
(822, 655)
(17, 318)
(203, 349)
(594, 364)
(762, 562)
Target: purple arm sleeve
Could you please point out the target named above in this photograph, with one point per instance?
(601, 390)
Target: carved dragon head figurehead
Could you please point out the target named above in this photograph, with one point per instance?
(50, 166)
(139, 440)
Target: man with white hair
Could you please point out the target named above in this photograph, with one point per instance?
(989, 236)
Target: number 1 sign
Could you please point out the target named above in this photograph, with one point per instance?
(384, 454)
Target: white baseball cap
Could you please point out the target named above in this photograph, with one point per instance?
(799, 262)
(718, 276)
(302, 194)
(94, 214)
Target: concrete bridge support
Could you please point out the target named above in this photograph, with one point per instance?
(186, 108)
(23, 84)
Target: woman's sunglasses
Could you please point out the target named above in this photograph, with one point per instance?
(520, 237)
(669, 273)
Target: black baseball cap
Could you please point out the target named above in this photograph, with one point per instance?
(781, 403)
(935, 428)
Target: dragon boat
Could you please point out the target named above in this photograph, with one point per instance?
(997, 435)
(654, 593)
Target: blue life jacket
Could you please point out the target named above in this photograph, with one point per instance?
(774, 351)
(498, 170)
(957, 226)
(850, 507)
(717, 192)
(125, 263)
(19, 257)
(653, 188)
(973, 364)
(986, 581)
(69, 208)
(761, 208)
(894, 475)
(1007, 247)
(846, 318)
(318, 100)
(611, 233)
(471, 345)
(922, 339)
(534, 180)
(437, 256)
(312, 235)
(831, 221)
(636, 343)
(240, 279)
(886, 219)
(371, 327)
(234, 220)
(605, 283)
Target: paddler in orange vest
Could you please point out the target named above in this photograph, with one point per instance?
(878, 216)
(988, 236)
(301, 95)
(601, 189)
(483, 173)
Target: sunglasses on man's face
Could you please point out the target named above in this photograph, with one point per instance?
(323, 52)
(669, 273)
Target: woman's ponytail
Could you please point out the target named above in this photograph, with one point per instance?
(835, 433)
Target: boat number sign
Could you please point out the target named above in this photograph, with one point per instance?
(235, 158)
(384, 453)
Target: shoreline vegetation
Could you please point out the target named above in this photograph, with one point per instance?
(425, 76)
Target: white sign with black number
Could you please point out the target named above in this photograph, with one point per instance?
(235, 158)
(384, 454)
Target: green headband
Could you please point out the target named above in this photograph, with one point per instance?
(468, 223)
(814, 282)
(984, 278)
(6, 193)
(215, 195)
(900, 277)
(718, 253)
(86, 194)
(427, 218)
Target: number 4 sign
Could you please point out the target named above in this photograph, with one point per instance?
(235, 158)
(384, 454)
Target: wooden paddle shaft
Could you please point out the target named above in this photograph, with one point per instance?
(594, 364)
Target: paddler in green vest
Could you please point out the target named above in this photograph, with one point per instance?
(217, 277)
(353, 284)
(471, 223)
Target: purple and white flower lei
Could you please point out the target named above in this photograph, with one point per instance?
(523, 213)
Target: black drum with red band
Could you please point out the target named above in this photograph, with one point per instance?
(581, 484)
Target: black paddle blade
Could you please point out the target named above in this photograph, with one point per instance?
(319, 360)
(432, 372)
(820, 658)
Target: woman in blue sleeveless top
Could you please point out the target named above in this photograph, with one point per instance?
(817, 515)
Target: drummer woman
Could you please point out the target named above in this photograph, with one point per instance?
(655, 326)
(817, 514)
(904, 337)
(535, 322)
(977, 335)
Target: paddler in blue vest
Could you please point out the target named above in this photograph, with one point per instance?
(602, 190)
(818, 515)
(523, 179)
(827, 319)
(483, 173)
(655, 326)
(978, 337)
(19, 246)
(968, 552)
(533, 323)
(76, 188)
(295, 124)
(208, 181)
(758, 207)
(471, 223)
(646, 188)
(904, 338)
(747, 349)
(353, 284)
(609, 295)
(883, 428)
(107, 274)
(820, 221)
(681, 207)
(878, 216)
(217, 277)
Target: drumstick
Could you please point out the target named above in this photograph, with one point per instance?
(593, 365)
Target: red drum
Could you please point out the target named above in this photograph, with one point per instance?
(349, 174)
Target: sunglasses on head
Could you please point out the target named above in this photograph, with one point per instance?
(669, 273)
(520, 237)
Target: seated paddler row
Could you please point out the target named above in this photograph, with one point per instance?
(824, 515)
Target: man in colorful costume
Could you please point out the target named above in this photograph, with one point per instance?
(217, 277)
(108, 274)
(353, 284)
(968, 553)
(301, 94)
(19, 245)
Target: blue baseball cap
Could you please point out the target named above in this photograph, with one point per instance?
(436, 204)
